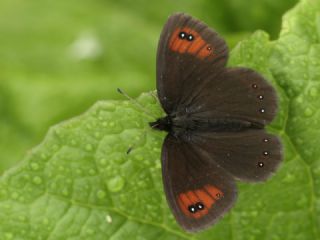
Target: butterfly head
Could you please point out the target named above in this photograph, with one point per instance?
(162, 124)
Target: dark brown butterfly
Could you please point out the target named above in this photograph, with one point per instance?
(215, 123)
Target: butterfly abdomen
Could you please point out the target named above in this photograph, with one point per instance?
(225, 125)
(181, 125)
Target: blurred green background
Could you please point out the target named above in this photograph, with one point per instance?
(59, 57)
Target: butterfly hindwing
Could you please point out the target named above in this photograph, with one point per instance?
(251, 155)
(198, 191)
(188, 52)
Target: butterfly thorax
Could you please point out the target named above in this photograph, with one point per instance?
(185, 124)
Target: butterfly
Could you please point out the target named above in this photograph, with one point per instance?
(215, 119)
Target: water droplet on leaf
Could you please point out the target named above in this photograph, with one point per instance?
(34, 166)
(89, 147)
(313, 92)
(103, 161)
(101, 194)
(37, 180)
(308, 112)
(116, 184)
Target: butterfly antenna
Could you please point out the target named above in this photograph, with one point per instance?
(135, 102)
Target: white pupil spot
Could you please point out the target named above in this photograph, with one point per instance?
(182, 35)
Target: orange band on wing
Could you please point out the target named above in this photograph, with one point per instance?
(206, 197)
(197, 47)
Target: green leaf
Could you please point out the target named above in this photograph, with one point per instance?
(44, 79)
(80, 183)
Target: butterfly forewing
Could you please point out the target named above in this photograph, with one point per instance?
(188, 52)
(198, 191)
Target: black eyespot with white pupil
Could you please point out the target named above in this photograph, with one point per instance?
(199, 206)
(192, 209)
(190, 37)
(182, 35)
(196, 207)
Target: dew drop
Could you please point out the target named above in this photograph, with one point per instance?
(3, 193)
(8, 235)
(58, 132)
(265, 140)
(260, 164)
(139, 157)
(65, 192)
(302, 201)
(23, 218)
(103, 161)
(255, 86)
(69, 180)
(265, 153)
(55, 147)
(300, 99)
(254, 214)
(260, 97)
(90, 231)
(308, 112)
(262, 110)
(37, 180)
(316, 170)
(34, 166)
(89, 147)
(313, 92)
(116, 184)
(15, 195)
(45, 221)
(92, 172)
(101, 194)
(22, 199)
(289, 178)
(109, 106)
